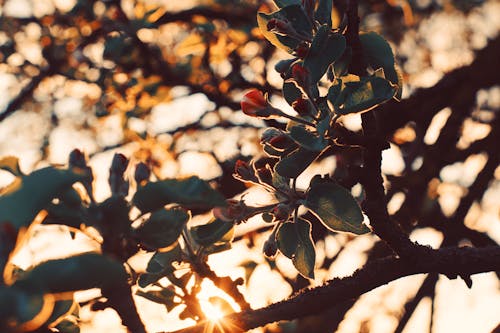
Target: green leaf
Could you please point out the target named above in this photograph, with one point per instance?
(80, 272)
(341, 66)
(190, 193)
(335, 207)
(163, 228)
(115, 215)
(287, 239)
(68, 326)
(26, 196)
(334, 93)
(364, 95)
(213, 232)
(11, 164)
(61, 309)
(164, 296)
(290, 92)
(23, 310)
(378, 54)
(295, 163)
(297, 18)
(323, 13)
(308, 139)
(284, 3)
(62, 214)
(325, 49)
(305, 254)
(160, 265)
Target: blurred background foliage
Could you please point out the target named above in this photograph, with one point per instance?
(161, 82)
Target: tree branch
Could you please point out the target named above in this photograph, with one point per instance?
(452, 262)
(462, 83)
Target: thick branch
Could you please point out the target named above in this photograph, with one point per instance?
(452, 262)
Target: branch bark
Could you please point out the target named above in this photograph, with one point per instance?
(452, 262)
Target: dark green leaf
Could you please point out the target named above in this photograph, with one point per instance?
(334, 93)
(64, 215)
(61, 309)
(341, 66)
(287, 239)
(323, 13)
(115, 215)
(290, 92)
(325, 49)
(165, 297)
(21, 308)
(295, 163)
(190, 193)
(11, 164)
(81, 272)
(335, 207)
(26, 196)
(305, 254)
(162, 228)
(160, 265)
(68, 326)
(308, 139)
(284, 3)
(213, 232)
(364, 95)
(378, 54)
(297, 18)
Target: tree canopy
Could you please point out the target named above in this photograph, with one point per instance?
(239, 165)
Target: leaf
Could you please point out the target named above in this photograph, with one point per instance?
(190, 193)
(287, 239)
(160, 265)
(284, 3)
(24, 310)
(290, 92)
(325, 49)
(323, 13)
(308, 139)
(305, 254)
(364, 95)
(163, 228)
(295, 163)
(11, 164)
(291, 13)
(164, 296)
(211, 233)
(378, 54)
(61, 309)
(26, 196)
(335, 207)
(80, 272)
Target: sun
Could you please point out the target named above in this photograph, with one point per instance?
(215, 303)
(213, 312)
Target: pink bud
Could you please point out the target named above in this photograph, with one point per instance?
(254, 104)
(301, 75)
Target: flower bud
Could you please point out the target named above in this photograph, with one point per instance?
(270, 247)
(254, 104)
(301, 76)
(301, 105)
(117, 182)
(276, 139)
(243, 171)
(142, 173)
(280, 27)
(282, 212)
(301, 50)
